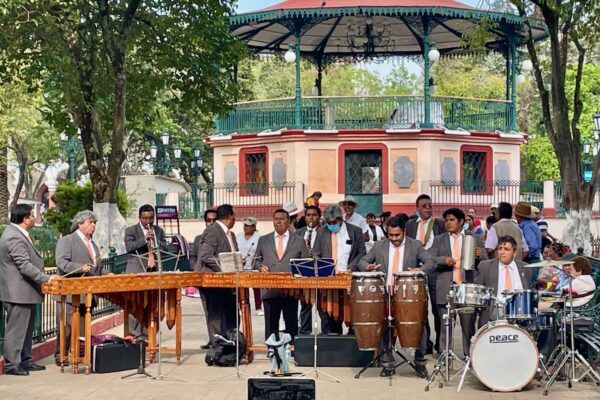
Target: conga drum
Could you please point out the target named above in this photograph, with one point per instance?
(410, 307)
(367, 308)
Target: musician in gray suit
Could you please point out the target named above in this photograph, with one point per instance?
(273, 254)
(349, 249)
(308, 233)
(502, 273)
(220, 303)
(395, 254)
(446, 253)
(424, 228)
(139, 237)
(76, 255)
(21, 274)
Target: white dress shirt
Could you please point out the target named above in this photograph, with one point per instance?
(313, 238)
(343, 249)
(286, 239)
(373, 238)
(23, 231)
(514, 277)
(247, 248)
(390, 267)
(358, 220)
(431, 235)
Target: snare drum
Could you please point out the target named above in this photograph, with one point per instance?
(504, 357)
(410, 307)
(471, 295)
(522, 305)
(367, 308)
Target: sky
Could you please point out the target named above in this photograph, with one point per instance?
(382, 69)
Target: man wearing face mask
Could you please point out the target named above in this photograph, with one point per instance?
(344, 243)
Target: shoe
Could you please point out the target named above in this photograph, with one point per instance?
(387, 372)
(206, 346)
(421, 371)
(16, 371)
(34, 367)
(65, 363)
(260, 312)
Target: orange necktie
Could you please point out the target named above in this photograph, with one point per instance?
(422, 232)
(280, 246)
(334, 245)
(396, 261)
(90, 249)
(507, 278)
(456, 255)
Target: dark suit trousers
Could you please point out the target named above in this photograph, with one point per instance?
(467, 325)
(273, 309)
(18, 335)
(222, 311)
(419, 358)
(305, 318)
(68, 326)
(437, 322)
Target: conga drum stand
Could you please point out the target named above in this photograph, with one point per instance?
(390, 349)
(443, 365)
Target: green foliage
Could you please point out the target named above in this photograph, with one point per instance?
(479, 77)
(71, 198)
(540, 160)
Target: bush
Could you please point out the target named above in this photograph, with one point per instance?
(71, 198)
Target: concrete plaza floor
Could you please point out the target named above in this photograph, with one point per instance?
(193, 379)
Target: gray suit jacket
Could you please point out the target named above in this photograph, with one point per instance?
(440, 249)
(21, 269)
(213, 243)
(266, 253)
(414, 254)
(137, 247)
(71, 254)
(195, 264)
(357, 249)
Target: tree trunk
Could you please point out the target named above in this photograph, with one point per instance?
(22, 162)
(4, 193)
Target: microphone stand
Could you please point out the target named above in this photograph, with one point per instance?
(159, 266)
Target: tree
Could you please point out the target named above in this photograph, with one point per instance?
(108, 60)
(569, 26)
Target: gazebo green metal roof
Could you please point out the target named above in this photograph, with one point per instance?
(377, 28)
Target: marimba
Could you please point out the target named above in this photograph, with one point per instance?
(134, 293)
(332, 293)
(137, 294)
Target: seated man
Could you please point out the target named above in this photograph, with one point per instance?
(501, 273)
(394, 254)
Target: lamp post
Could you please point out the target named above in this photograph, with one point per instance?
(71, 146)
(163, 166)
(591, 148)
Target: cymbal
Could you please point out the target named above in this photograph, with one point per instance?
(547, 263)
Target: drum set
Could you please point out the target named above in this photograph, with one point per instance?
(403, 306)
(505, 353)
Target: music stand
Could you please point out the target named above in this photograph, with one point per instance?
(228, 261)
(314, 267)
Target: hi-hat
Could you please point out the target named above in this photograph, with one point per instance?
(548, 263)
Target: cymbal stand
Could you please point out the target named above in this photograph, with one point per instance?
(571, 355)
(390, 349)
(315, 330)
(443, 364)
(237, 371)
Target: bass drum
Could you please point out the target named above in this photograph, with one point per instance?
(504, 357)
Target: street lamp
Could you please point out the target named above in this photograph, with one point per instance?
(71, 146)
(196, 163)
(163, 166)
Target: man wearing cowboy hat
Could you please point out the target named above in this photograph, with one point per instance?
(349, 205)
(531, 232)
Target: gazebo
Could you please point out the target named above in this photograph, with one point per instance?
(384, 150)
